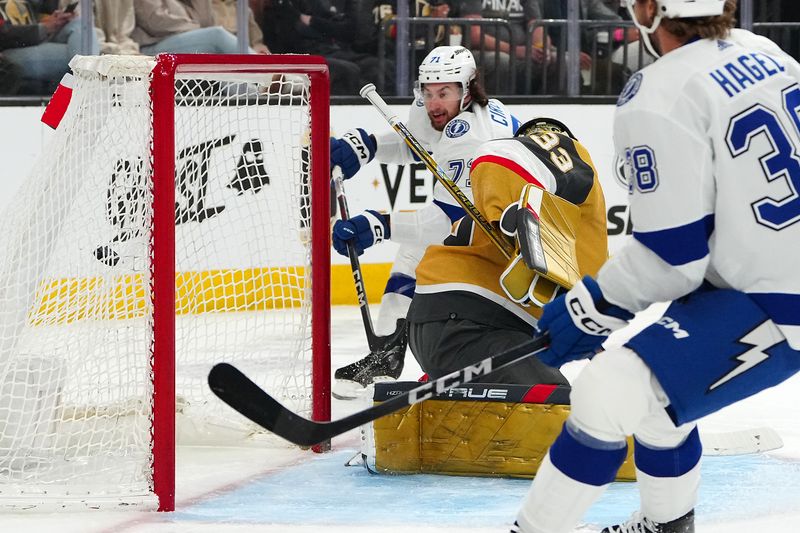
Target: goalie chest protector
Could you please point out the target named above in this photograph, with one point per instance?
(469, 261)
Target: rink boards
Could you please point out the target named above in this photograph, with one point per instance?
(384, 187)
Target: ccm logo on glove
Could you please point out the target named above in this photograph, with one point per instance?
(584, 321)
(364, 230)
(355, 149)
(357, 144)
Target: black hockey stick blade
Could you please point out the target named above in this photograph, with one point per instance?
(239, 392)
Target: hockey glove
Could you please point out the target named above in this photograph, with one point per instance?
(355, 149)
(578, 322)
(364, 230)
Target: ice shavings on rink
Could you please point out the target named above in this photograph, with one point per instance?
(323, 491)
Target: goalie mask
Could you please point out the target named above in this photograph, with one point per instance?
(543, 125)
(674, 9)
(448, 64)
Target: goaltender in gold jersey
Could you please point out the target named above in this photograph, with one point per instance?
(540, 189)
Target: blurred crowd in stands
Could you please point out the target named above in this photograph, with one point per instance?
(519, 44)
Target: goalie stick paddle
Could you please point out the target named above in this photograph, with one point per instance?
(238, 391)
(375, 342)
(741, 442)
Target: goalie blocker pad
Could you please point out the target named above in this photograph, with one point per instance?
(476, 429)
(544, 227)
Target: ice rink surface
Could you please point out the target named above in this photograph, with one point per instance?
(231, 490)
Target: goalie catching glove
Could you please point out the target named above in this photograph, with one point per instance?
(355, 149)
(364, 230)
(578, 322)
(543, 226)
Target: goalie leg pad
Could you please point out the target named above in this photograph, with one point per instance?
(466, 437)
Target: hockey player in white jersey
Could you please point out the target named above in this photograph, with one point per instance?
(451, 116)
(710, 134)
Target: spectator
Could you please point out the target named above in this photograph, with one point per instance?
(779, 11)
(609, 76)
(629, 51)
(9, 76)
(495, 46)
(287, 29)
(180, 26)
(225, 16)
(116, 20)
(601, 73)
(347, 24)
(386, 10)
(40, 39)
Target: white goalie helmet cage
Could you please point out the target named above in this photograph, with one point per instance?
(448, 64)
(675, 9)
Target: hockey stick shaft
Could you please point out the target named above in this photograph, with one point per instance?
(369, 92)
(375, 342)
(239, 392)
(355, 264)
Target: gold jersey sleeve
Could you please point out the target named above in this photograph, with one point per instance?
(469, 261)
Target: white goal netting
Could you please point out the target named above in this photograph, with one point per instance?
(76, 299)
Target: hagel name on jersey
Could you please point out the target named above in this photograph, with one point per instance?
(746, 70)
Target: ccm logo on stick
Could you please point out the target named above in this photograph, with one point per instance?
(444, 383)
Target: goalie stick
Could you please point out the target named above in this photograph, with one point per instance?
(375, 342)
(741, 442)
(239, 392)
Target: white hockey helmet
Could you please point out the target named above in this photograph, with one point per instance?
(446, 64)
(675, 9)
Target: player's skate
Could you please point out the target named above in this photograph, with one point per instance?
(641, 524)
(383, 365)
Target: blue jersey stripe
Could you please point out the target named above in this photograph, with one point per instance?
(576, 458)
(514, 124)
(401, 284)
(669, 462)
(453, 212)
(783, 309)
(681, 245)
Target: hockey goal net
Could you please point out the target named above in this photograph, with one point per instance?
(178, 218)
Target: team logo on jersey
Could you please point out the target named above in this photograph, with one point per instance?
(456, 128)
(619, 172)
(630, 89)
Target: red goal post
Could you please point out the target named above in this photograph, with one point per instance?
(163, 91)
